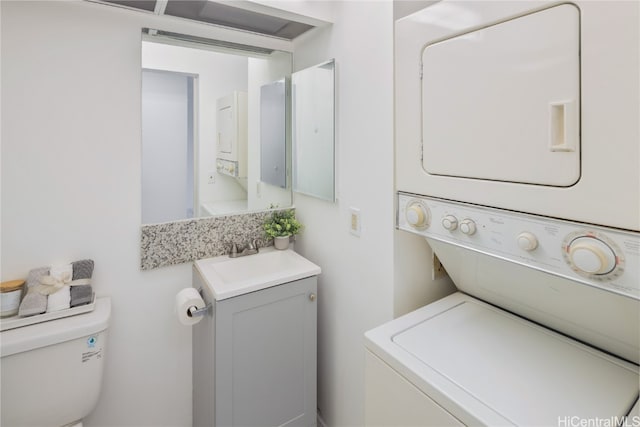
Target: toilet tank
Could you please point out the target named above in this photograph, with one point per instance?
(51, 372)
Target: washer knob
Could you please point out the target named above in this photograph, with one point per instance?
(592, 255)
(468, 227)
(527, 241)
(416, 215)
(450, 222)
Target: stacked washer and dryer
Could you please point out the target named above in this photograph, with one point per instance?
(518, 159)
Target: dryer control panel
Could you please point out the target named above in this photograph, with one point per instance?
(602, 257)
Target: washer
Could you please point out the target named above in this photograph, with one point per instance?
(543, 331)
(461, 361)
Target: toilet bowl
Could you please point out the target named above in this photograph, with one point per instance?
(52, 371)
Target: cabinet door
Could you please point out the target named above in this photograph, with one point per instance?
(266, 357)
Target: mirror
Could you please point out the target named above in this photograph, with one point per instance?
(313, 130)
(201, 127)
(273, 132)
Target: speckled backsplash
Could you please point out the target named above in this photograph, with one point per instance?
(185, 241)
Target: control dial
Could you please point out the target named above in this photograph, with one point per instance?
(527, 241)
(417, 215)
(450, 222)
(591, 255)
(468, 227)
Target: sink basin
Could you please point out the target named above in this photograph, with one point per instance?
(230, 277)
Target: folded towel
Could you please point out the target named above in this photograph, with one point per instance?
(59, 276)
(34, 303)
(60, 300)
(57, 288)
(81, 295)
(62, 272)
(82, 269)
(34, 276)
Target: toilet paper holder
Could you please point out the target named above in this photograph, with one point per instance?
(195, 311)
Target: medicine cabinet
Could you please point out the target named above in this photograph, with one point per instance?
(313, 129)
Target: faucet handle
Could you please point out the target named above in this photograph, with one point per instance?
(257, 243)
(234, 249)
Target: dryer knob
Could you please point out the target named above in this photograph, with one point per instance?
(527, 241)
(450, 222)
(468, 227)
(592, 255)
(417, 216)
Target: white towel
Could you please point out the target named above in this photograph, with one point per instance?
(59, 276)
(60, 300)
(62, 272)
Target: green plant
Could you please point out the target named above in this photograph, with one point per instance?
(281, 224)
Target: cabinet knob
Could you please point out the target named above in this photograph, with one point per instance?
(312, 297)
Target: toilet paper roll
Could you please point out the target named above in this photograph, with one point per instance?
(185, 299)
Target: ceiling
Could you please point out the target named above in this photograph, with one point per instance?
(218, 13)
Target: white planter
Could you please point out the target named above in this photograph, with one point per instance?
(281, 242)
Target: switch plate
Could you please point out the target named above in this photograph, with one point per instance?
(354, 221)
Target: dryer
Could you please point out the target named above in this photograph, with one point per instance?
(531, 106)
(517, 158)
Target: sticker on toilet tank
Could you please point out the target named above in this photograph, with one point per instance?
(92, 352)
(90, 355)
(91, 341)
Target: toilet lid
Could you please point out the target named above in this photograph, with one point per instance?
(526, 373)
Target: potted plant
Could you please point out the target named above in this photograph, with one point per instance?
(280, 226)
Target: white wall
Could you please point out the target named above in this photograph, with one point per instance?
(71, 189)
(71, 181)
(355, 291)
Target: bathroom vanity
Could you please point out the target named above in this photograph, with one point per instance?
(254, 353)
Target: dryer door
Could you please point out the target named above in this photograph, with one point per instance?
(502, 102)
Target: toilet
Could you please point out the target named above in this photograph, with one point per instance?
(52, 371)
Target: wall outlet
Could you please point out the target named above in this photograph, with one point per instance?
(211, 177)
(354, 221)
(438, 270)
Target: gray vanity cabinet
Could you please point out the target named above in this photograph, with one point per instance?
(254, 359)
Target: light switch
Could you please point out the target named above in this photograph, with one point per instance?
(354, 223)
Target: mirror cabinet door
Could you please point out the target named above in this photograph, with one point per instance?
(313, 131)
(273, 133)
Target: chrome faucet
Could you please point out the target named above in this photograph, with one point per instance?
(252, 248)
